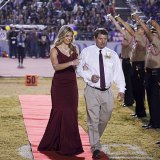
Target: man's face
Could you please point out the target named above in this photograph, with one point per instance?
(101, 41)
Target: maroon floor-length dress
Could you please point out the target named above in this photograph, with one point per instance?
(62, 133)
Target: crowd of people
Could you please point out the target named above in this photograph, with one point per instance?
(34, 44)
(150, 8)
(52, 14)
(86, 15)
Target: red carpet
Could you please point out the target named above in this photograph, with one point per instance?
(36, 111)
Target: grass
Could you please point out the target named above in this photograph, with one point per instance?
(123, 137)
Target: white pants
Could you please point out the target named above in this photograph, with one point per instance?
(99, 109)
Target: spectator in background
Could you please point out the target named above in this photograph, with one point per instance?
(33, 37)
(51, 37)
(57, 5)
(57, 13)
(12, 37)
(21, 39)
(150, 8)
(27, 45)
(43, 42)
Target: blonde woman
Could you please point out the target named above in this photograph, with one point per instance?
(62, 133)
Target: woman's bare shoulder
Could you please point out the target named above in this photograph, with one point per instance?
(53, 51)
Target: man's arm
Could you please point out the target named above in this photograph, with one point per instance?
(118, 77)
(127, 26)
(144, 26)
(156, 26)
(82, 69)
(116, 24)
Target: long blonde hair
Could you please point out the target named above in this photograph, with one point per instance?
(61, 35)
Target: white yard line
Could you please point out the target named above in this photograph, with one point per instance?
(129, 152)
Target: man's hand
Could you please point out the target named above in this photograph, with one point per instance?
(110, 16)
(118, 18)
(95, 78)
(135, 17)
(153, 23)
(120, 96)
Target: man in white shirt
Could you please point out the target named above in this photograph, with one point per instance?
(98, 93)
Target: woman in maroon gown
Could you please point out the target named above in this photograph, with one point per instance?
(62, 133)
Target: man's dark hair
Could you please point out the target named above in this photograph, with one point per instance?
(100, 31)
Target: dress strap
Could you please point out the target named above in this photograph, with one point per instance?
(58, 51)
(56, 48)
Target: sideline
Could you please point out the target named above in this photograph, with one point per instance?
(39, 66)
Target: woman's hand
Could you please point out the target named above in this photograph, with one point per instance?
(75, 62)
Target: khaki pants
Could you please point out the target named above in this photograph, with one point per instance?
(99, 109)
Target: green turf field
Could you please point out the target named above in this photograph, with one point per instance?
(123, 139)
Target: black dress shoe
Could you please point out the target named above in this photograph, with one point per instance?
(96, 154)
(124, 105)
(128, 104)
(158, 142)
(150, 126)
(133, 115)
(147, 126)
(141, 115)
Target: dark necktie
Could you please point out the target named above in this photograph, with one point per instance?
(102, 77)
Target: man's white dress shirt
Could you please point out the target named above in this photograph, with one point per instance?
(89, 57)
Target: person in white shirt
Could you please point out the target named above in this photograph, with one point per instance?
(99, 97)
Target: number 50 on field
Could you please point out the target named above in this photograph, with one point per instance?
(31, 80)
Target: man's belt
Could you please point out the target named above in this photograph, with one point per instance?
(126, 59)
(100, 89)
(153, 71)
